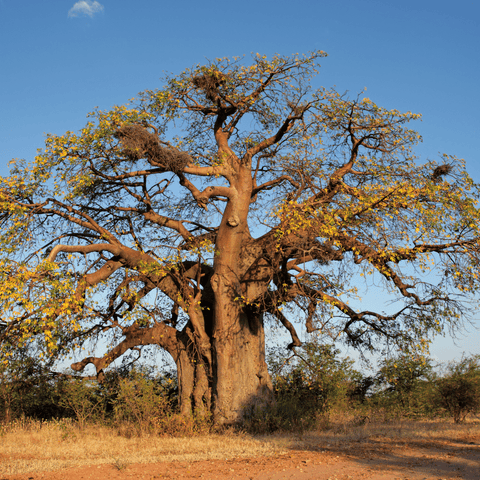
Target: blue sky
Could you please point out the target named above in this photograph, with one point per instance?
(61, 58)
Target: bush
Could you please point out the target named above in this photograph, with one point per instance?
(404, 384)
(307, 385)
(146, 403)
(81, 399)
(360, 389)
(28, 389)
(140, 403)
(459, 389)
(116, 379)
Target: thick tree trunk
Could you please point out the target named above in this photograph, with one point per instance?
(241, 378)
(235, 369)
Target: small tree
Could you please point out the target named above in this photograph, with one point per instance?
(110, 389)
(141, 402)
(404, 379)
(190, 217)
(27, 387)
(313, 378)
(81, 398)
(459, 389)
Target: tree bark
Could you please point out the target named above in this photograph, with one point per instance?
(241, 378)
(238, 377)
(194, 391)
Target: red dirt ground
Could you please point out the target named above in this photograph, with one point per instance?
(373, 460)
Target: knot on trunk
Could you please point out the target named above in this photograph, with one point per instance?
(233, 220)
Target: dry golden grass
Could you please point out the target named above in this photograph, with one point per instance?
(342, 430)
(36, 446)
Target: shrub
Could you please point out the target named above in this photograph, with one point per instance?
(404, 383)
(28, 389)
(144, 403)
(308, 383)
(459, 389)
(80, 397)
(360, 389)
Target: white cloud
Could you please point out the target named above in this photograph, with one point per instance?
(85, 7)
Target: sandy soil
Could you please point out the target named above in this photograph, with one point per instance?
(374, 458)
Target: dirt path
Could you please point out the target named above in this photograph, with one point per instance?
(375, 459)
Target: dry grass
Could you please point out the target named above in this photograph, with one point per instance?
(36, 446)
(341, 431)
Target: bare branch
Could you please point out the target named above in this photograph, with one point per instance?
(98, 247)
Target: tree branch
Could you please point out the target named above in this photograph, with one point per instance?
(98, 247)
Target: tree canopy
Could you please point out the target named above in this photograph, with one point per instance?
(234, 194)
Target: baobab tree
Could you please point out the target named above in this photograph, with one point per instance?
(234, 195)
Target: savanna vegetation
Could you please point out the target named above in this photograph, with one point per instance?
(237, 195)
(310, 384)
(321, 401)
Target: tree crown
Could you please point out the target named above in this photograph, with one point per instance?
(120, 228)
